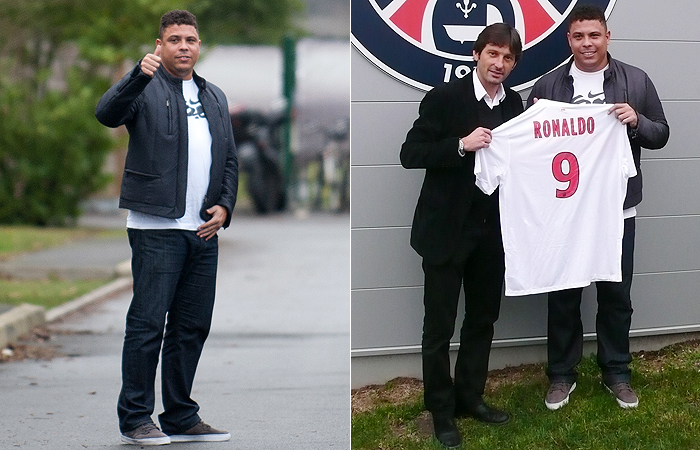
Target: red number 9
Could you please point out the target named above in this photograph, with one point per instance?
(570, 176)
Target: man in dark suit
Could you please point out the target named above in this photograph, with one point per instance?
(456, 229)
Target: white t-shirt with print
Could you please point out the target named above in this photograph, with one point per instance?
(198, 169)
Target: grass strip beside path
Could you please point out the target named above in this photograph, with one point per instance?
(16, 240)
(391, 417)
(47, 293)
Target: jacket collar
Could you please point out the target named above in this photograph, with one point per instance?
(177, 81)
(607, 74)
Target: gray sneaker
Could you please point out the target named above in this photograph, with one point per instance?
(146, 434)
(558, 394)
(201, 433)
(624, 394)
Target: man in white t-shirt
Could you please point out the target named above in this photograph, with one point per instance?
(593, 76)
(180, 183)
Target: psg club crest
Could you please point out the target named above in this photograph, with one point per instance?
(427, 42)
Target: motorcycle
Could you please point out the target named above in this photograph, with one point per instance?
(258, 140)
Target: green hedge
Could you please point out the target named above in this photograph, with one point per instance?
(52, 150)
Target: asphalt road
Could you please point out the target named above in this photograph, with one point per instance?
(275, 370)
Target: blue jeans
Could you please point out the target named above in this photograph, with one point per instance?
(613, 321)
(174, 275)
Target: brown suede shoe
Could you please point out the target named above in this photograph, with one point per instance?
(624, 394)
(201, 433)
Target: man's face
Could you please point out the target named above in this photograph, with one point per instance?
(179, 50)
(589, 41)
(493, 65)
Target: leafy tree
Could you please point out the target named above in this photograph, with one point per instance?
(57, 57)
(245, 21)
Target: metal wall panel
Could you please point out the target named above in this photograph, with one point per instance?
(670, 187)
(659, 60)
(385, 196)
(684, 132)
(667, 244)
(393, 317)
(369, 84)
(375, 143)
(651, 20)
(390, 317)
(382, 257)
(665, 300)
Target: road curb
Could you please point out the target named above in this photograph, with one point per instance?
(18, 321)
(23, 318)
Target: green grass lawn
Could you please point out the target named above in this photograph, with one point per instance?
(15, 240)
(668, 416)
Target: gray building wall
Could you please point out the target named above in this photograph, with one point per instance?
(387, 278)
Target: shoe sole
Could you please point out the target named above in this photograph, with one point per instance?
(200, 437)
(623, 405)
(555, 406)
(447, 446)
(149, 441)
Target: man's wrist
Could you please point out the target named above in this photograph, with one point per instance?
(460, 149)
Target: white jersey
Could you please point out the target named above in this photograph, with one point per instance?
(562, 171)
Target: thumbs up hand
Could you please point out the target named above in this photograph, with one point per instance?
(151, 62)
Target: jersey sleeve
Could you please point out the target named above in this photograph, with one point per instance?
(490, 163)
(630, 170)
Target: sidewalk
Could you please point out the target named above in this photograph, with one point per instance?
(275, 370)
(98, 257)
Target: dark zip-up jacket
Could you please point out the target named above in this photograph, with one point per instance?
(622, 83)
(155, 114)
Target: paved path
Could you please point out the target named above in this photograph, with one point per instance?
(275, 370)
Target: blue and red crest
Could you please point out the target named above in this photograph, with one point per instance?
(427, 42)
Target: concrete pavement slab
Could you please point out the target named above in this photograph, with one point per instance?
(274, 372)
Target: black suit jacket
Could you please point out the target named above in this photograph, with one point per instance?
(446, 113)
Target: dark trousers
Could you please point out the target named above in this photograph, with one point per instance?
(479, 268)
(565, 330)
(174, 275)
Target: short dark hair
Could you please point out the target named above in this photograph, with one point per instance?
(587, 12)
(500, 35)
(177, 17)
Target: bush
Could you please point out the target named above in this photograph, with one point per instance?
(52, 151)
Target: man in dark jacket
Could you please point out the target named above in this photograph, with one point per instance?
(456, 229)
(593, 76)
(180, 183)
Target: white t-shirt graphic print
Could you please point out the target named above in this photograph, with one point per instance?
(198, 168)
(562, 171)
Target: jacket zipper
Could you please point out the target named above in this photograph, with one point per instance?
(167, 105)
